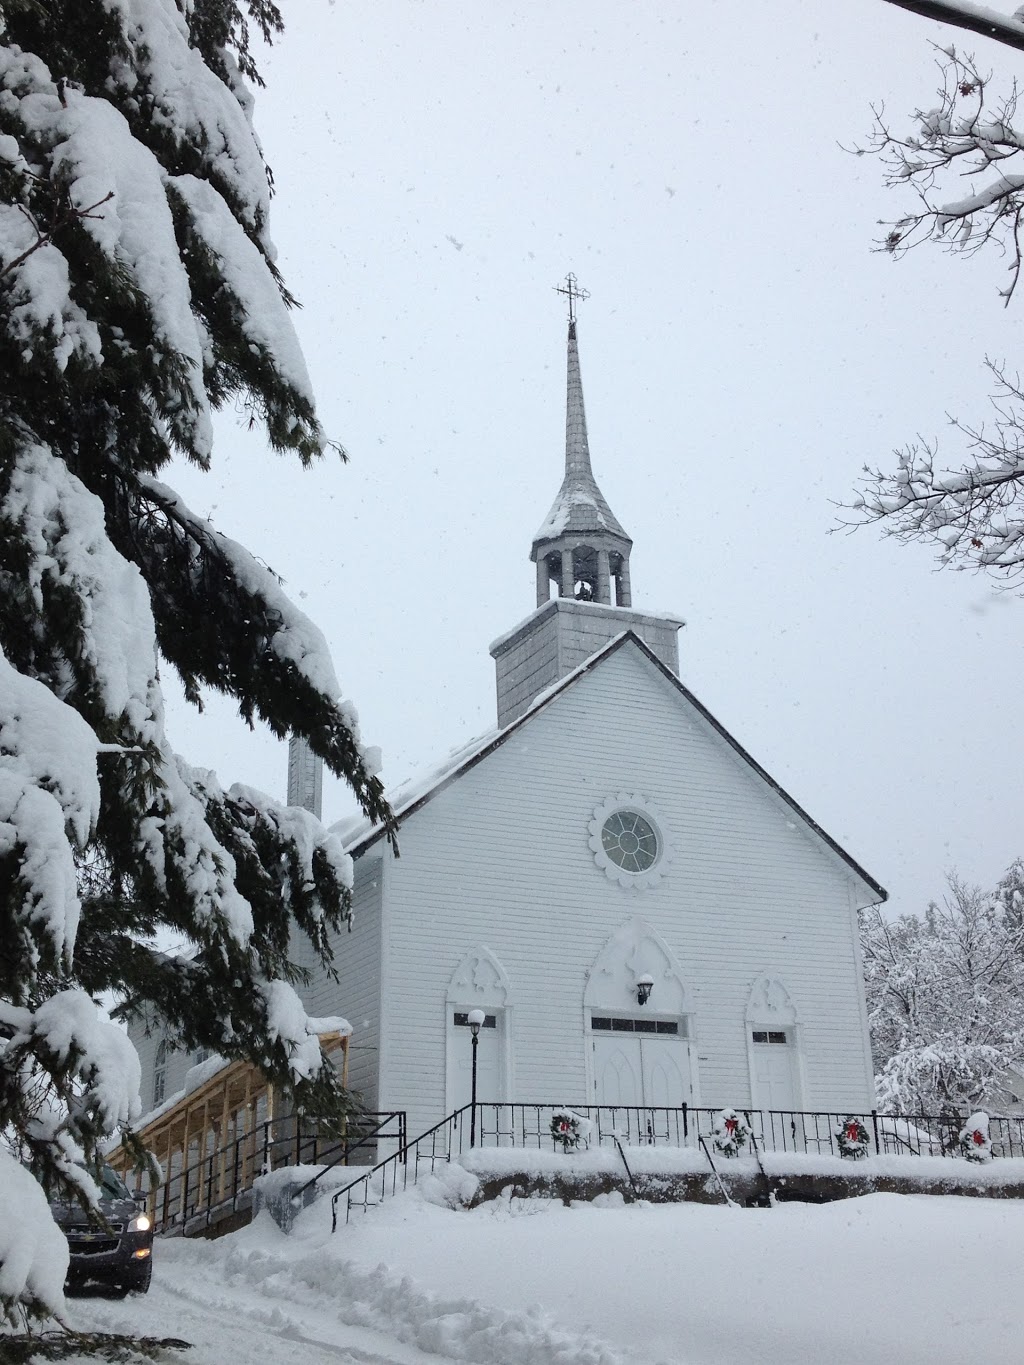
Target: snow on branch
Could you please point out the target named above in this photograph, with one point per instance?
(48, 789)
(34, 1253)
(265, 321)
(69, 1033)
(974, 514)
(1008, 29)
(191, 106)
(289, 1025)
(968, 136)
(257, 644)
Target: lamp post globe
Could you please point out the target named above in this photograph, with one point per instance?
(475, 1019)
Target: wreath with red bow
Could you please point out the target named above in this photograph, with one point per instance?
(565, 1128)
(852, 1138)
(975, 1143)
(730, 1133)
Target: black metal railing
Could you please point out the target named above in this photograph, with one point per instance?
(404, 1167)
(814, 1132)
(198, 1193)
(775, 1130)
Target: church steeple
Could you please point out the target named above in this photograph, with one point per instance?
(581, 545)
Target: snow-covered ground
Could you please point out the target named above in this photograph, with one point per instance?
(884, 1277)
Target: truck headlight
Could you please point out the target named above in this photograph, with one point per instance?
(140, 1223)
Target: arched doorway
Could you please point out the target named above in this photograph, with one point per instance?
(640, 1054)
(478, 982)
(773, 1046)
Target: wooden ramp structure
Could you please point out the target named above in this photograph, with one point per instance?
(214, 1140)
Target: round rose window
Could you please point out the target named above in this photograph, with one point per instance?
(629, 841)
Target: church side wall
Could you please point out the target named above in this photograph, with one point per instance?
(356, 993)
(501, 858)
(177, 1062)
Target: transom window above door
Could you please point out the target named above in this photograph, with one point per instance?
(608, 1023)
(462, 1020)
(770, 1036)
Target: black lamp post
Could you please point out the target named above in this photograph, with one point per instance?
(476, 1023)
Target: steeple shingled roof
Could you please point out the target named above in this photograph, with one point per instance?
(580, 506)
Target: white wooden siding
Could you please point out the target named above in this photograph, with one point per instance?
(500, 857)
(178, 1063)
(356, 993)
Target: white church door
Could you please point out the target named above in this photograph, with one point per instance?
(773, 1050)
(640, 1062)
(490, 1058)
(638, 1020)
(479, 982)
(774, 1079)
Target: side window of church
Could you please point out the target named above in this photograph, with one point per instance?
(160, 1073)
(462, 1020)
(769, 1036)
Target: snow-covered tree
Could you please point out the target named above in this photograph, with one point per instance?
(946, 1001)
(1009, 894)
(138, 293)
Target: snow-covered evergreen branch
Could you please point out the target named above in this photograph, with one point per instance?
(138, 293)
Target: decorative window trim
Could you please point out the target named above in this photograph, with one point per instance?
(629, 801)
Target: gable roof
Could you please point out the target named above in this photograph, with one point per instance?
(359, 834)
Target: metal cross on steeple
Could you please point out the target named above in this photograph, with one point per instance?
(571, 289)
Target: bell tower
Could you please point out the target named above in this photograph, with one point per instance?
(583, 550)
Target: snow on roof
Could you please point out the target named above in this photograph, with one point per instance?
(358, 834)
(579, 506)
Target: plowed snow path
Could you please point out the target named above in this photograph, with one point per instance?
(233, 1325)
(260, 1297)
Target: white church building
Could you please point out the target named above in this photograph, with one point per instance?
(642, 913)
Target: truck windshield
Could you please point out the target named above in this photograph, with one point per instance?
(110, 1183)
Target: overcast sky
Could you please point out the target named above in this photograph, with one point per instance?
(440, 165)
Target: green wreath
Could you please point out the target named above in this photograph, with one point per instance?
(565, 1128)
(730, 1133)
(852, 1138)
(975, 1142)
